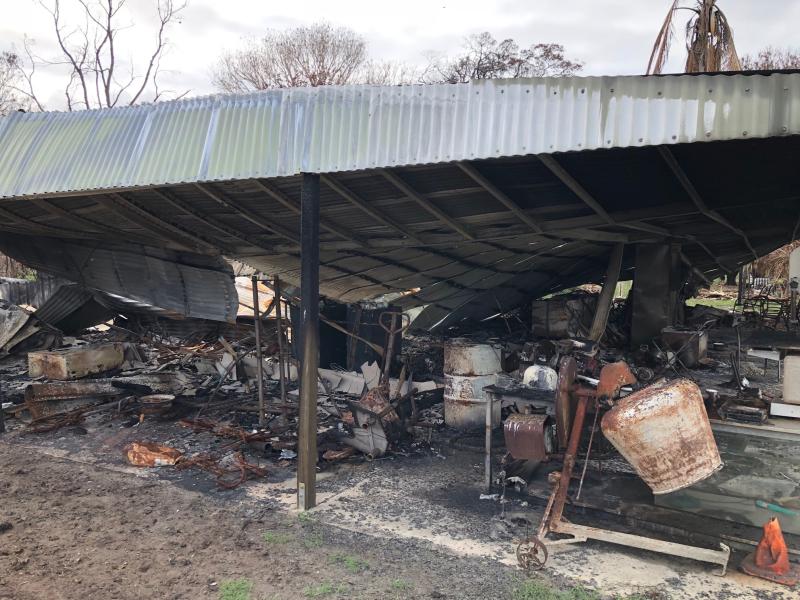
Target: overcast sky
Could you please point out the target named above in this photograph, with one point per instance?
(611, 36)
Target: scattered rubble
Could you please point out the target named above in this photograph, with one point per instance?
(562, 398)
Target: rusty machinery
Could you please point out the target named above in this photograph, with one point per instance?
(573, 401)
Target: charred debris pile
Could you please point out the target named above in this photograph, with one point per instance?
(80, 354)
(564, 378)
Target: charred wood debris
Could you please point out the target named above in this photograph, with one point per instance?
(203, 374)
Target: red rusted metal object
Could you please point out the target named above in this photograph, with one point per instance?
(664, 433)
(528, 437)
(771, 558)
(567, 371)
(612, 377)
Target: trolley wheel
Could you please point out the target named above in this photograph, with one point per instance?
(531, 554)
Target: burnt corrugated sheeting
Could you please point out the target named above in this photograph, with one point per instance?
(467, 198)
(202, 289)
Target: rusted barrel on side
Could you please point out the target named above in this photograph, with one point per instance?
(664, 433)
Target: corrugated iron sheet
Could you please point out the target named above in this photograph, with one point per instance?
(203, 290)
(330, 129)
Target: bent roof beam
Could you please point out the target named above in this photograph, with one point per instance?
(498, 195)
(692, 192)
(287, 202)
(254, 218)
(414, 195)
(364, 206)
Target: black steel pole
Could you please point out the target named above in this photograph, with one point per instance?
(259, 357)
(283, 358)
(2, 412)
(309, 310)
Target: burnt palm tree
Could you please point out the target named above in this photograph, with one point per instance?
(709, 39)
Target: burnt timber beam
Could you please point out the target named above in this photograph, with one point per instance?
(414, 195)
(698, 201)
(498, 195)
(309, 310)
(364, 206)
(685, 260)
(246, 213)
(606, 298)
(287, 202)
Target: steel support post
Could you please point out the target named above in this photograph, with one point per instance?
(487, 467)
(2, 412)
(309, 310)
(259, 357)
(283, 357)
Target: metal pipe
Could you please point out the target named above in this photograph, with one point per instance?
(282, 358)
(588, 451)
(2, 412)
(488, 459)
(260, 367)
(569, 459)
(309, 310)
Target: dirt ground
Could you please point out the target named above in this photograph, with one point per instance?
(72, 530)
(77, 521)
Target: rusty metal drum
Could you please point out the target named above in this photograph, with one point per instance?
(465, 401)
(462, 357)
(664, 433)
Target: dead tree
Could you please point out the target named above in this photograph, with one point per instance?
(10, 99)
(484, 57)
(770, 58)
(90, 51)
(709, 39)
(311, 56)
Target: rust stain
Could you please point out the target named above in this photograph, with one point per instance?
(612, 377)
(526, 436)
(664, 433)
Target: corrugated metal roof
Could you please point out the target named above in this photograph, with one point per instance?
(330, 129)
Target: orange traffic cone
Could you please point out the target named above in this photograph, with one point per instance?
(771, 558)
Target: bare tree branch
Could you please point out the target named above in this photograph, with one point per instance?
(485, 58)
(89, 49)
(771, 58)
(301, 57)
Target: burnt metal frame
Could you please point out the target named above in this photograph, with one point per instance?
(698, 201)
(552, 520)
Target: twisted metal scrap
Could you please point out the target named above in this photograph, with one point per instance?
(228, 431)
(227, 478)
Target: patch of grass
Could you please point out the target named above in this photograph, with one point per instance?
(722, 303)
(323, 589)
(400, 585)
(312, 540)
(235, 589)
(276, 537)
(350, 562)
(305, 518)
(533, 589)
